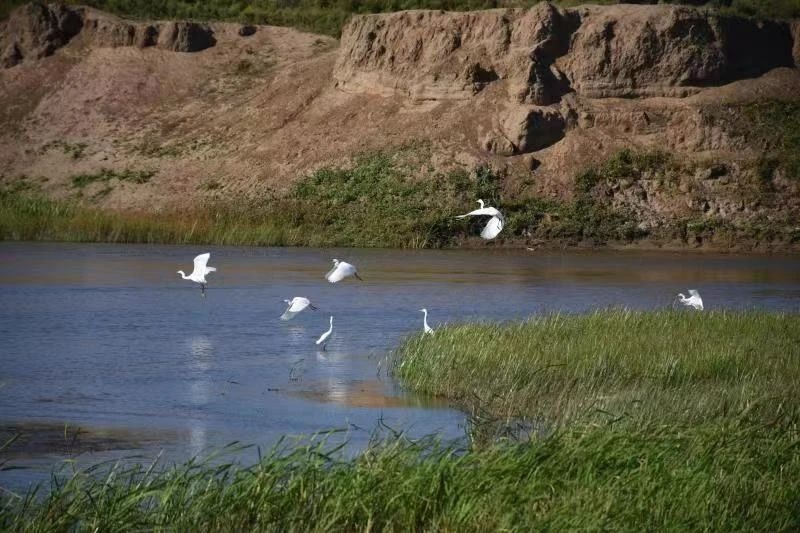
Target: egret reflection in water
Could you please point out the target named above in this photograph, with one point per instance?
(201, 351)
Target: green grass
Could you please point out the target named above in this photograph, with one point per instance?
(381, 200)
(105, 175)
(387, 199)
(633, 367)
(326, 17)
(646, 421)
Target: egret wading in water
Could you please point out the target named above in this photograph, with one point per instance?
(198, 275)
(495, 224)
(340, 271)
(296, 305)
(693, 300)
(428, 330)
(323, 339)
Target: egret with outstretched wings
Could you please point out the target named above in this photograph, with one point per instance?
(495, 224)
(201, 268)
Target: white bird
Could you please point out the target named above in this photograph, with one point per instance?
(428, 330)
(198, 275)
(340, 271)
(693, 300)
(323, 339)
(495, 224)
(296, 304)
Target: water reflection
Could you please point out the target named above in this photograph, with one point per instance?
(201, 351)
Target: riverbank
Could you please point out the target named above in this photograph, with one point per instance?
(392, 199)
(635, 420)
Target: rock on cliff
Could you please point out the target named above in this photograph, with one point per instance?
(37, 29)
(542, 53)
(536, 57)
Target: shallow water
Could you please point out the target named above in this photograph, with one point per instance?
(106, 352)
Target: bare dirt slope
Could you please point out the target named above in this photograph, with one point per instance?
(539, 93)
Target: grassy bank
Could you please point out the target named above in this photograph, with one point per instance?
(381, 200)
(397, 199)
(633, 368)
(654, 421)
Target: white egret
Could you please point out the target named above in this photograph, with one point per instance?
(323, 339)
(340, 271)
(296, 304)
(198, 275)
(693, 300)
(495, 224)
(428, 330)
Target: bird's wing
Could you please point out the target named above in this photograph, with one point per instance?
(200, 263)
(298, 304)
(288, 314)
(210, 269)
(337, 274)
(694, 292)
(493, 228)
(330, 272)
(485, 211)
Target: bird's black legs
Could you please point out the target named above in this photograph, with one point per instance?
(312, 307)
(203, 290)
(357, 276)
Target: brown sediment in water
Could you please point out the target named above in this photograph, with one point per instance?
(371, 394)
(29, 439)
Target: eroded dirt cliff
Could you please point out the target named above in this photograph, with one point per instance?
(539, 95)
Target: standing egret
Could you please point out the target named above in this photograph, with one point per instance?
(340, 271)
(495, 224)
(428, 330)
(198, 275)
(323, 339)
(693, 300)
(296, 304)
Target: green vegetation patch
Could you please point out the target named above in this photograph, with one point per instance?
(630, 367)
(105, 175)
(74, 150)
(718, 477)
(776, 127)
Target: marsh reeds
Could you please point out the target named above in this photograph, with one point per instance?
(713, 476)
(629, 367)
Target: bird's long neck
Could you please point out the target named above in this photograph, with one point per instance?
(182, 274)
(331, 328)
(681, 296)
(425, 318)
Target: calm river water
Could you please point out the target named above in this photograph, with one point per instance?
(107, 353)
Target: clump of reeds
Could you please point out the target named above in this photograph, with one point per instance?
(632, 367)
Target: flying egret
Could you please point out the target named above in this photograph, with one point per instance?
(495, 224)
(428, 330)
(198, 275)
(693, 300)
(296, 304)
(323, 339)
(340, 271)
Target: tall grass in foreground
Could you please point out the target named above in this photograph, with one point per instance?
(630, 367)
(713, 476)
